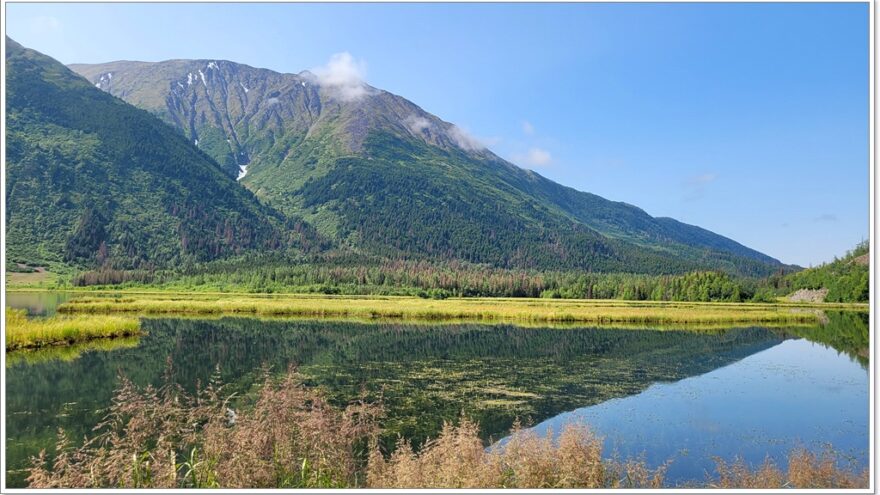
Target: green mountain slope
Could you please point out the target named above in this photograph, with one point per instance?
(92, 180)
(378, 173)
(846, 279)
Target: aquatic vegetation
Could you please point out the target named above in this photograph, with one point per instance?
(471, 309)
(288, 436)
(23, 332)
(68, 353)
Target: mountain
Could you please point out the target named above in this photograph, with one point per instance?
(377, 173)
(92, 180)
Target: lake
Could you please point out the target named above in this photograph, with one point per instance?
(663, 394)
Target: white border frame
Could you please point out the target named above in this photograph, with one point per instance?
(872, 264)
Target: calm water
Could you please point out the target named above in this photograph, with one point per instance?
(37, 303)
(671, 394)
(796, 393)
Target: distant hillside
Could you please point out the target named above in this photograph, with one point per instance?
(93, 181)
(378, 174)
(846, 279)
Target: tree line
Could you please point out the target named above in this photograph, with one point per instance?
(351, 274)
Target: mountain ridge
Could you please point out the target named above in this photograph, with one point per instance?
(378, 173)
(94, 181)
(294, 141)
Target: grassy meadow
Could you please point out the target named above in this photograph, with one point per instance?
(36, 279)
(29, 333)
(470, 309)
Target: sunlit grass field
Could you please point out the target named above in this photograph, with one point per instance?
(27, 333)
(471, 309)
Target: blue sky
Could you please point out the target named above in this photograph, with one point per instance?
(750, 120)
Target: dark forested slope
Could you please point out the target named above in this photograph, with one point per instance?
(92, 180)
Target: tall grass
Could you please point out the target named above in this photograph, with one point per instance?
(25, 333)
(286, 435)
(458, 459)
(527, 310)
(805, 470)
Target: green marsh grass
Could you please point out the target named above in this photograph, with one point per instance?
(28, 333)
(468, 309)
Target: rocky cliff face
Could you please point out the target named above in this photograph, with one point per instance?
(239, 114)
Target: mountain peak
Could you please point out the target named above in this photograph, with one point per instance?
(199, 95)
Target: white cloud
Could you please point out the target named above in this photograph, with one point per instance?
(464, 139)
(701, 180)
(527, 128)
(825, 217)
(535, 157)
(695, 187)
(416, 124)
(344, 76)
(461, 137)
(44, 24)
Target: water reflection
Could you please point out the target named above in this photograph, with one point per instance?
(795, 394)
(38, 303)
(424, 374)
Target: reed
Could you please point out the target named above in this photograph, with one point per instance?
(458, 459)
(27, 333)
(805, 470)
(288, 436)
(470, 309)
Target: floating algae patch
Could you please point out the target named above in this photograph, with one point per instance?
(510, 393)
(498, 374)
